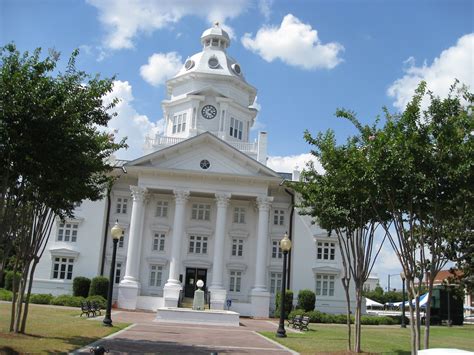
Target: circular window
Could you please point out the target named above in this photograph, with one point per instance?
(205, 164)
(213, 63)
(236, 69)
(189, 64)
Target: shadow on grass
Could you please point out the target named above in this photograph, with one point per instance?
(8, 351)
(157, 347)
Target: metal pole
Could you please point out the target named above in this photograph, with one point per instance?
(281, 333)
(403, 325)
(388, 286)
(449, 306)
(107, 322)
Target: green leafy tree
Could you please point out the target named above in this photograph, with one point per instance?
(53, 152)
(340, 200)
(421, 163)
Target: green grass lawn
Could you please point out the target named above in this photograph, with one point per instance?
(323, 338)
(51, 329)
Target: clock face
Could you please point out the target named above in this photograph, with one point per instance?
(209, 112)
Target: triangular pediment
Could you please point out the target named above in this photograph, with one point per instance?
(190, 154)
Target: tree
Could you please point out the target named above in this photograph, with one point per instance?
(340, 200)
(421, 162)
(53, 154)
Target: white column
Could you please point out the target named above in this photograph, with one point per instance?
(173, 286)
(181, 197)
(218, 293)
(263, 204)
(129, 286)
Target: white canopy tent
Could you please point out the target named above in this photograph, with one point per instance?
(371, 303)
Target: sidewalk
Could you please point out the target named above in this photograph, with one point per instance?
(148, 336)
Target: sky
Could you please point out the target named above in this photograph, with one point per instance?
(305, 57)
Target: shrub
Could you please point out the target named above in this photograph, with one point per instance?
(288, 303)
(41, 298)
(80, 286)
(377, 320)
(99, 286)
(101, 301)
(9, 279)
(306, 300)
(67, 300)
(5, 295)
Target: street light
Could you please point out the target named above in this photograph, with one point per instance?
(402, 275)
(285, 246)
(116, 232)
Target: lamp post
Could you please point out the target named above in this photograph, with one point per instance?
(116, 232)
(285, 246)
(448, 288)
(402, 275)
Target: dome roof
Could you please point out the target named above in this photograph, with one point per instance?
(213, 59)
(215, 32)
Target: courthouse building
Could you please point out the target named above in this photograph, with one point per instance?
(201, 204)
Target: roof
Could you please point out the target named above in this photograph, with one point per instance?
(443, 275)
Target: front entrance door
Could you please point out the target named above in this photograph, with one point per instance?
(192, 275)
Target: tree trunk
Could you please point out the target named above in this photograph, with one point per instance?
(349, 327)
(14, 297)
(27, 298)
(357, 345)
(428, 315)
(418, 322)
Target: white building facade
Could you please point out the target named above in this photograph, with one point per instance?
(201, 204)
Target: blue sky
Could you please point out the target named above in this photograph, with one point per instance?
(306, 58)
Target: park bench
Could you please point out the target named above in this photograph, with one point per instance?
(303, 324)
(294, 323)
(90, 309)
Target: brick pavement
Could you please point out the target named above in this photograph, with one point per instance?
(148, 336)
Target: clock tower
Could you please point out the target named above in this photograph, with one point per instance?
(210, 94)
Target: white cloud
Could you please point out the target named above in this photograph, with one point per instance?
(265, 7)
(294, 43)
(455, 62)
(124, 20)
(129, 122)
(161, 66)
(288, 164)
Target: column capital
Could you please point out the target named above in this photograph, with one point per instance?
(138, 193)
(264, 202)
(222, 199)
(181, 196)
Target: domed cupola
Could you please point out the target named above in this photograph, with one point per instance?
(215, 37)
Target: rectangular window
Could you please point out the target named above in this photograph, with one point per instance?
(326, 251)
(235, 281)
(156, 273)
(158, 242)
(62, 268)
(201, 212)
(324, 285)
(276, 250)
(237, 247)
(118, 272)
(275, 282)
(279, 217)
(236, 128)
(122, 239)
(179, 123)
(197, 244)
(161, 209)
(239, 215)
(121, 205)
(67, 232)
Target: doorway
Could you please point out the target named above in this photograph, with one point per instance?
(192, 275)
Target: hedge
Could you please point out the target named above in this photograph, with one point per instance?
(288, 303)
(99, 286)
(5, 295)
(41, 298)
(320, 317)
(306, 300)
(9, 280)
(81, 286)
(67, 300)
(101, 301)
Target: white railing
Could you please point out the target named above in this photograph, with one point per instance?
(161, 142)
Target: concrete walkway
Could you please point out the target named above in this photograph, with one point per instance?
(148, 336)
